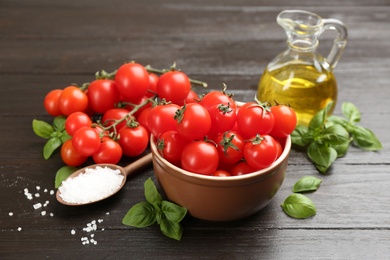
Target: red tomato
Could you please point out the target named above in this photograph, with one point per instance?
(152, 90)
(51, 102)
(133, 140)
(221, 173)
(143, 100)
(241, 168)
(72, 99)
(253, 119)
(170, 145)
(230, 146)
(69, 155)
(173, 86)
(193, 121)
(132, 81)
(285, 120)
(191, 98)
(214, 98)
(102, 95)
(223, 118)
(75, 121)
(109, 152)
(200, 157)
(142, 119)
(114, 114)
(162, 118)
(261, 151)
(86, 141)
(279, 149)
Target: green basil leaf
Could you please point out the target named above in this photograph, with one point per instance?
(59, 123)
(42, 129)
(140, 215)
(351, 112)
(299, 206)
(365, 139)
(341, 149)
(307, 183)
(173, 212)
(319, 119)
(300, 136)
(51, 145)
(321, 155)
(65, 136)
(62, 174)
(171, 229)
(337, 120)
(151, 193)
(335, 134)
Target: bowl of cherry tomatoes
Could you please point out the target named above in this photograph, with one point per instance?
(222, 171)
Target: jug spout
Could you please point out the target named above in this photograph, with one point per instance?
(302, 28)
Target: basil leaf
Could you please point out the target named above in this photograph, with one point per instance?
(300, 136)
(307, 183)
(151, 193)
(341, 149)
(365, 139)
(337, 120)
(42, 129)
(140, 215)
(335, 134)
(171, 229)
(299, 206)
(351, 112)
(51, 145)
(65, 136)
(173, 212)
(319, 119)
(62, 174)
(59, 123)
(322, 156)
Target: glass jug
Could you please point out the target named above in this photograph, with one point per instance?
(300, 76)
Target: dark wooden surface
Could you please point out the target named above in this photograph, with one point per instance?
(49, 44)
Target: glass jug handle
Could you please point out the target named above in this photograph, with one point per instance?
(340, 41)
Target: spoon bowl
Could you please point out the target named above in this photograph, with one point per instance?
(124, 171)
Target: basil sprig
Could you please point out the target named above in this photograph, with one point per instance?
(55, 134)
(328, 138)
(167, 214)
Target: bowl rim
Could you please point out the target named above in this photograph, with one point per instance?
(263, 173)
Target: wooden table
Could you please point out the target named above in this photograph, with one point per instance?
(49, 44)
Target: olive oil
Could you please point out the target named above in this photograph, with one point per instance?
(307, 89)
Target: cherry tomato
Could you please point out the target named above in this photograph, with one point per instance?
(152, 90)
(200, 157)
(230, 146)
(114, 114)
(279, 149)
(109, 152)
(51, 102)
(86, 141)
(214, 98)
(70, 156)
(221, 173)
(170, 145)
(253, 119)
(142, 119)
(102, 95)
(75, 121)
(139, 109)
(132, 81)
(193, 121)
(223, 118)
(191, 98)
(72, 99)
(241, 168)
(261, 151)
(162, 118)
(133, 140)
(285, 120)
(173, 86)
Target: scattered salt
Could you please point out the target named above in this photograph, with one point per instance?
(73, 231)
(43, 213)
(37, 195)
(37, 205)
(92, 185)
(11, 214)
(38, 187)
(19, 229)
(45, 190)
(52, 192)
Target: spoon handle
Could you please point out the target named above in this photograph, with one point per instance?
(141, 162)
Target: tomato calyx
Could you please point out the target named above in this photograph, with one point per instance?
(105, 75)
(225, 109)
(227, 142)
(257, 139)
(180, 113)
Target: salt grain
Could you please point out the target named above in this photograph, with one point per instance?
(43, 213)
(11, 214)
(92, 185)
(19, 229)
(37, 205)
(73, 231)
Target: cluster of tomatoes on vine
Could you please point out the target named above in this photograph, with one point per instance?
(210, 135)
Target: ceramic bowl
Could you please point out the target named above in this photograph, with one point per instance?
(220, 198)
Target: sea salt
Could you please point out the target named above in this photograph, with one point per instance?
(92, 185)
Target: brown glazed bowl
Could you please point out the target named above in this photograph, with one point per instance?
(220, 198)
